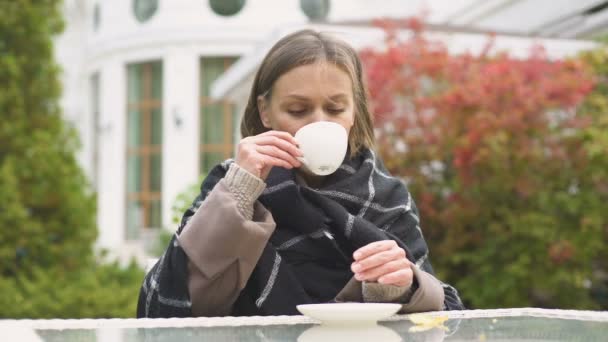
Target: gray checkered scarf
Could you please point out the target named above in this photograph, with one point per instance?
(308, 257)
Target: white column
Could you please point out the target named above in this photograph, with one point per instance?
(180, 126)
(112, 156)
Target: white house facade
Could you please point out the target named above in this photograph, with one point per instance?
(156, 87)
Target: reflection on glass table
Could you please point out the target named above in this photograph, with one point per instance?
(478, 325)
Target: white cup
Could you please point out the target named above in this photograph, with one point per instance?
(323, 144)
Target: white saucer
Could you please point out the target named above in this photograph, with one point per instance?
(349, 313)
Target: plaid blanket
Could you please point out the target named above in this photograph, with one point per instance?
(308, 257)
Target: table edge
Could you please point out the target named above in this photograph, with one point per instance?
(62, 324)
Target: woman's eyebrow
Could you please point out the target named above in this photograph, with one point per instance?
(340, 96)
(297, 97)
(332, 97)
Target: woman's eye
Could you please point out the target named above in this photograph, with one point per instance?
(335, 110)
(296, 111)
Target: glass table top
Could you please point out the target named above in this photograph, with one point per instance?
(476, 325)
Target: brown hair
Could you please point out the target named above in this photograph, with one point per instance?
(302, 48)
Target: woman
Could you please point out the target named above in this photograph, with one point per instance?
(265, 235)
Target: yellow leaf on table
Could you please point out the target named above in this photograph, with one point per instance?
(424, 322)
(424, 319)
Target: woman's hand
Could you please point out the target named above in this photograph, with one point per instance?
(383, 262)
(258, 154)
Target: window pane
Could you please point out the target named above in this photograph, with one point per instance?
(226, 7)
(134, 83)
(154, 215)
(157, 80)
(144, 159)
(216, 121)
(212, 130)
(157, 127)
(134, 170)
(315, 10)
(144, 9)
(135, 219)
(209, 160)
(211, 69)
(156, 172)
(214, 68)
(134, 134)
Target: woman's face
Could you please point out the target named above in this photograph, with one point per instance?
(307, 94)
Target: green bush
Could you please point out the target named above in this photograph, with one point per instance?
(594, 143)
(49, 220)
(47, 207)
(183, 201)
(100, 291)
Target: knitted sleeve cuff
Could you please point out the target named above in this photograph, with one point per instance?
(382, 293)
(245, 187)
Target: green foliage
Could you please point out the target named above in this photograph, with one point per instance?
(161, 242)
(103, 291)
(50, 221)
(182, 202)
(594, 144)
(507, 160)
(47, 215)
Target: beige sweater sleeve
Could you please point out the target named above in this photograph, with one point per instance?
(428, 297)
(224, 240)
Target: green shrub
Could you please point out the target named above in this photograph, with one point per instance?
(100, 291)
(47, 207)
(183, 201)
(49, 220)
(594, 143)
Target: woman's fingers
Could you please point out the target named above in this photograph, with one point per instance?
(373, 248)
(258, 154)
(384, 262)
(375, 273)
(280, 134)
(276, 152)
(403, 277)
(379, 258)
(274, 161)
(278, 142)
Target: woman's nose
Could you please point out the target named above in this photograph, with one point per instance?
(319, 115)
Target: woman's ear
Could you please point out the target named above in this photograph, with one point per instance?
(263, 110)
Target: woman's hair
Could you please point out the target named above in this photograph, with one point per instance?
(303, 48)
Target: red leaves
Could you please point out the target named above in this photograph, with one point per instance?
(506, 160)
(473, 97)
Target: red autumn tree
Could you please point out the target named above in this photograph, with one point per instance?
(489, 148)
